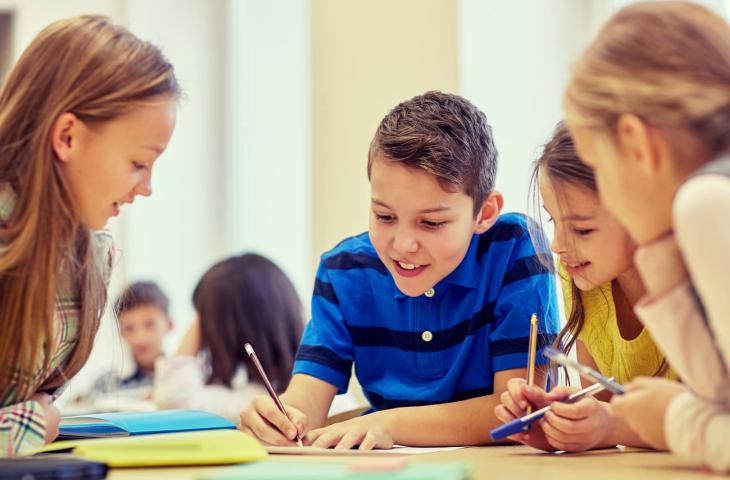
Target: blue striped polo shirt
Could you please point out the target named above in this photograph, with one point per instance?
(411, 351)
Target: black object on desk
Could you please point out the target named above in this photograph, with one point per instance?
(51, 467)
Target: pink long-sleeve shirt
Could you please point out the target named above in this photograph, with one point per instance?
(687, 312)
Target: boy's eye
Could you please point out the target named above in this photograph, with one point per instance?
(584, 232)
(384, 218)
(433, 224)
(139, 166)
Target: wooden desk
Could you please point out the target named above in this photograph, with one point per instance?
(502, 463)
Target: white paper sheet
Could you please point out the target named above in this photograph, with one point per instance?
(396, 450)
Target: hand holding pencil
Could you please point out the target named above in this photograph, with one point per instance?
(267, 418)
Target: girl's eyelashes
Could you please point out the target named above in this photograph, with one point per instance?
(430, 224)
(139, 166)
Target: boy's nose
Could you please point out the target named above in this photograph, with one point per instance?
(405, 242)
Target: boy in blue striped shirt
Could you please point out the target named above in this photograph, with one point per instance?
(431, 305)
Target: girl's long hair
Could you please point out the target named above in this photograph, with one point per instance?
(97, 71)
(559, 161)
(248, 299)
(665, 62)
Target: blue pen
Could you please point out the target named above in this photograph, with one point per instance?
(587, 372)
(520, 424)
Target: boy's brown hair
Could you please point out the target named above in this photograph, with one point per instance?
(444, 135)
(142, 294)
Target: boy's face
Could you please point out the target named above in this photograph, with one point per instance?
(143, 328)
(592, 245)
(420, 231)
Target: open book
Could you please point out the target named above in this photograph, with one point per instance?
(122, 424)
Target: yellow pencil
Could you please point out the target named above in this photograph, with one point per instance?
(532, 353)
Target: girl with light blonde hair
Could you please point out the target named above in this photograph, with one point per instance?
(648, 105)
(84, 114)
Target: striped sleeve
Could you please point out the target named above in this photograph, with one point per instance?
(22, 429)
(528, 287)
(326, 350)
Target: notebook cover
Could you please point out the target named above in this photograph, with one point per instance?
(140, 423)
(208, 447)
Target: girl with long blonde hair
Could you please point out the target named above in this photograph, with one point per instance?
(648, 105)
(84, 114)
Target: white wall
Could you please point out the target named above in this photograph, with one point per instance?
(514, 60)
(269, 116)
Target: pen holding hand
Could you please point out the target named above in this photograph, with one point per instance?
(262, 413)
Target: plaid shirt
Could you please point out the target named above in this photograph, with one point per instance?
(22, 421)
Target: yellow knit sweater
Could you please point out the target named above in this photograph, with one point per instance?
(615, 356)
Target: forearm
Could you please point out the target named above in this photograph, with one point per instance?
(697, 429)
(311, 396)
(467, 422)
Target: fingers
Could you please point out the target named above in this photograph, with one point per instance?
(583, 408)
(560, 393)
(350, 439)
(298, 418)
(369, 442)
(537, 397)
(324, 438)
(342, 436)
(575, 427)
(264, 420)
(502, 414)
(512, 399)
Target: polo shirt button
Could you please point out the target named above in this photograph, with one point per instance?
(430, 293)
(427, 336)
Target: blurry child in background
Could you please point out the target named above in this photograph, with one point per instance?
(142, 311)
(241, 299)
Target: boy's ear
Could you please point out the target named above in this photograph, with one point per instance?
(637, 142)
(64, 135)
(488, 214)
(170, 324)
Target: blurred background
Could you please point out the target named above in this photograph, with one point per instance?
(281, 100)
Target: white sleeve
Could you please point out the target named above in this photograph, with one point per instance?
(702, 229)
(676, 324)
(180, 383)
(697, 430)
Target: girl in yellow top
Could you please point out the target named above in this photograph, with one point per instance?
(600, 286)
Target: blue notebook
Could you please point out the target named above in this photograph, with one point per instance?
(122, 424)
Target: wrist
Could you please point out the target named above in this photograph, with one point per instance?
(660, 265)
(612, 436)
(387, 420)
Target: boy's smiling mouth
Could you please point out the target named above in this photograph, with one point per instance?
(408, 269)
